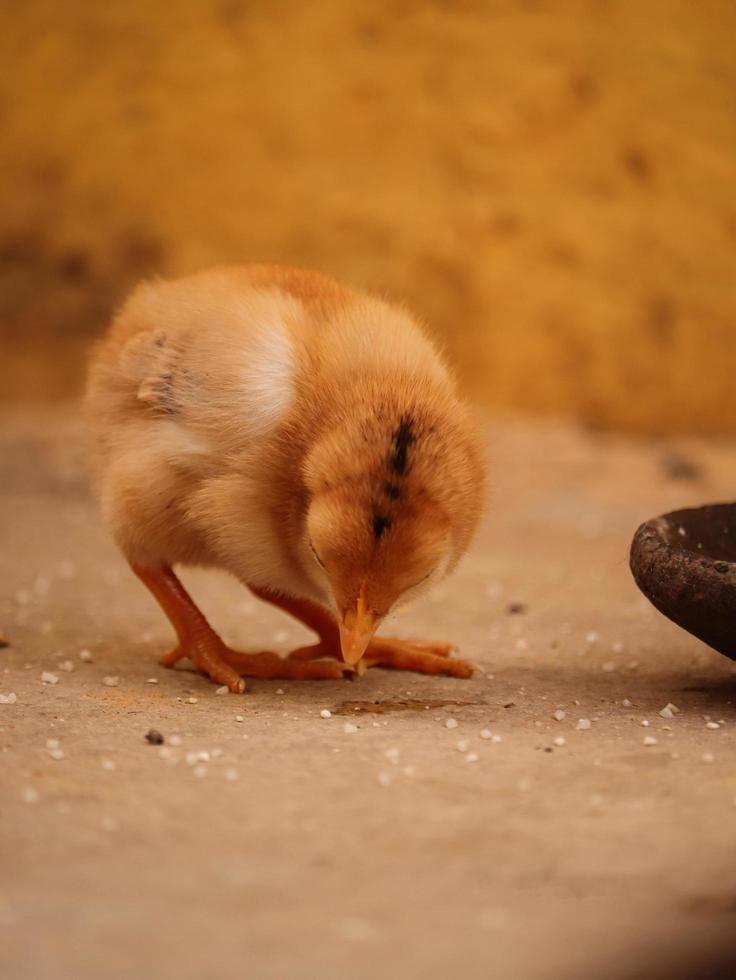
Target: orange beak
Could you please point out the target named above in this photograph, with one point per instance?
(356, 629)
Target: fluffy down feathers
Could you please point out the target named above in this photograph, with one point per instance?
(303, 436)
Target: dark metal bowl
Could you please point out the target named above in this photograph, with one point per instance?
(685, 564)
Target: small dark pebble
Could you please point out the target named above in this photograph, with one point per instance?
(676, 467)
(548, 748)
(4, 642)
(517, 608)
(154, 738)
(510, 704)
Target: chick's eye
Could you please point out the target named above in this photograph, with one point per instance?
(316, 556)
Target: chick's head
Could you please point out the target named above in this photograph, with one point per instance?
(393, 502)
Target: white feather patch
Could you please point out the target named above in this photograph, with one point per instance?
(268, 376)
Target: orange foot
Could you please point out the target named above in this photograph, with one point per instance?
(228, 667)
(423, 658)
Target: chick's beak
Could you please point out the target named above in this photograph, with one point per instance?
(356, 629)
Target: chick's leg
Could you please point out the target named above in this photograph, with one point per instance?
(423, 658)
(199, 642)
(197, 639)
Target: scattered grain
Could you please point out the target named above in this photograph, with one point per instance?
(48, 678)
(325, 713)
(583, 724)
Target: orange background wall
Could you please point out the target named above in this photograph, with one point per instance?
(551, 184)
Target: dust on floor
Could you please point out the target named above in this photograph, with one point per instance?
(429, 826)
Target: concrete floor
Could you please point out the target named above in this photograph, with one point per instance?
(301, 850)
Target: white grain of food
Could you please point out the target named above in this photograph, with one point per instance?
(85, 656)
(232, 775)
(708, 757)
(559, 740)
(583, 724)
(349, 728)
(461, 745)
(384, 778)
(472, 757)
(223, 690)
(451, 723)
(712, 725)
(559, 715)
(111, 681)
(29, 794)
(57, 754)
(325, 713)
(67, 666)
(486, 733)
(10, 698)
(52, 743)
(649, 740)
(191, 700)
(48, 678)
(666, 712)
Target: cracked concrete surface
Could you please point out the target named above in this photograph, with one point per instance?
(295, 849)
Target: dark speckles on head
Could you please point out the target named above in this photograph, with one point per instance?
(401, 442)
(392, 490)
(380, 525)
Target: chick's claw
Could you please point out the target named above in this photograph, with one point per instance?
(422, 658)
(271, 666)
(209, 659)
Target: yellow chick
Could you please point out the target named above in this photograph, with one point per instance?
(303, 436)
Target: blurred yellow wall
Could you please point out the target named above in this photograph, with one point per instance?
(551, 184)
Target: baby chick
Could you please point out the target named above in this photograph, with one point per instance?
(304, 437)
